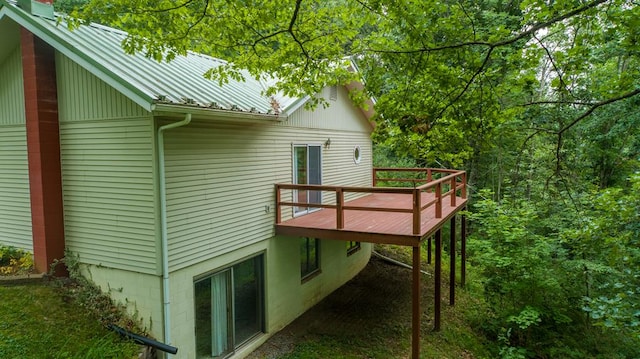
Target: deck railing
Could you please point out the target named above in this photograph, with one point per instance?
(443, 182)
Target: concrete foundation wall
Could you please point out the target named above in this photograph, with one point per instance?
(286, 295)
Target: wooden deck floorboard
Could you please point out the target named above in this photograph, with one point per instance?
(373, 226)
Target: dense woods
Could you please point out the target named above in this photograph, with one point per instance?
(538, 100)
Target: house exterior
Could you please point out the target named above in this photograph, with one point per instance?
(161, 182)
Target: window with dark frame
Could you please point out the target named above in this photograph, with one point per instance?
(352, 247)
(309, 257)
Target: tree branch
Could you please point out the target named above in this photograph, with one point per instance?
(294, 17)
(596, 106)
(509, 41)
(578, 103)
(553, 63)
(167, 9)
(469, 82)
(582, 117)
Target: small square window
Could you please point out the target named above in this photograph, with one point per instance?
(352, 247)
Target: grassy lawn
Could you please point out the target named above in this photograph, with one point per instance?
(37, 322)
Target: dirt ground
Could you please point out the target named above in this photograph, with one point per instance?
(380, 295)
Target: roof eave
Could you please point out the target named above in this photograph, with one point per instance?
(173, 110)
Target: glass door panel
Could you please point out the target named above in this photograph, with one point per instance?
(307, 169)
(300, 176)
(247, 295)
(212, 315)
(314, 174)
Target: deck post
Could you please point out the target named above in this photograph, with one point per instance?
(339, 210)
(463, 247)
(439, 200)
(438, 281)
(463, 193)
(374, 175)
(429, 178)
(278, 207)
(452, 262)
(429, 249)
(453, 191)
(415, 322)
(417, 210)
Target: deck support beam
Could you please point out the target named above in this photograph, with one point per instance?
(452, 262)
(438, 281)
(415, 322)
(463, 247)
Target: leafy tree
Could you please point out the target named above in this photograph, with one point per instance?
(446, 74)
(551, 274)
(538, 100)
(68, 6)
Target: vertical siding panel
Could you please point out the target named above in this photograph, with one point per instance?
(12, 90)
(340, 115)
(88, 98)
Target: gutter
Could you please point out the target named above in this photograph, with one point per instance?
(171, 110)
(163, 224)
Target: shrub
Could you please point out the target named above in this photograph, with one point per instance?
(15, 261)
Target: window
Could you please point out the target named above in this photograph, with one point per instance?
(229, 308)
(333, 93)
(357, 154)
(309, 257)
(352, 247)
(307, 169)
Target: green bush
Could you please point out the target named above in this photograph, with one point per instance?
(14, 260)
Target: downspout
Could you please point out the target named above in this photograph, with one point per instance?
(163, 224)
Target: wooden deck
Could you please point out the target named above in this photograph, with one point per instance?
(375, 226)
(392, 215)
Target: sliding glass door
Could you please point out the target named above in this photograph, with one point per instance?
(229, 308)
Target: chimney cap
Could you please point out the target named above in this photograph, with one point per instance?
(42, 8)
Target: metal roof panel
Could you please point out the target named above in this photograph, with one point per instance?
(180, 81)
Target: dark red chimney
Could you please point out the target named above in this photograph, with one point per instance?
(43, 145)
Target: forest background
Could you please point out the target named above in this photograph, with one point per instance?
(539, 101)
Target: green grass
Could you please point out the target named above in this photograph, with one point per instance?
(38, 322)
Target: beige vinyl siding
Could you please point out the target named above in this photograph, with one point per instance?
(12, 90)
(15, 204)
(82, 96)
(107, 176)
(340, 115)
(107, 151)
(220, 181)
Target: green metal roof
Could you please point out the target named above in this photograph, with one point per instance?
(148, 82)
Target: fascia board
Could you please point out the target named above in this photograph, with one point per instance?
(40, 30)
(295, 105)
